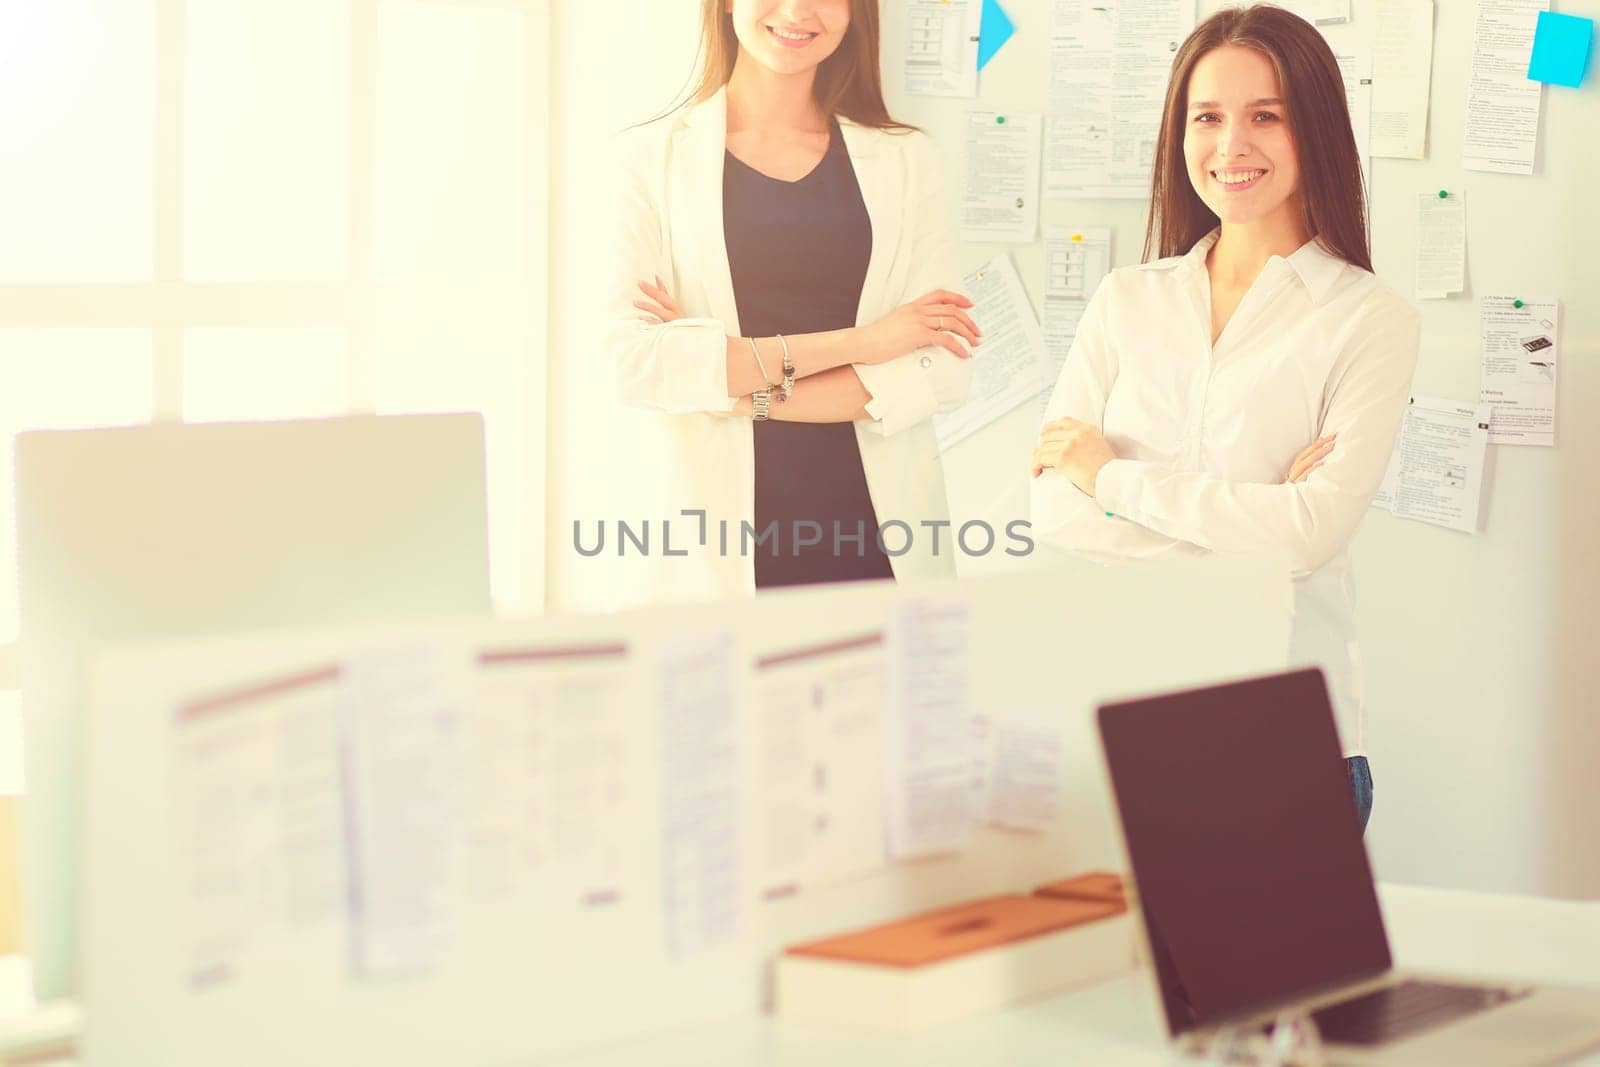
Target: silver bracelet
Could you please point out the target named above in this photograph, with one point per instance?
(788, 371)
(759, 365)
(762, 399)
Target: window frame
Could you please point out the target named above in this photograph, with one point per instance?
(167, 304)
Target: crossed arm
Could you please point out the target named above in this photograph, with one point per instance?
(834, 392)
(1088, 500)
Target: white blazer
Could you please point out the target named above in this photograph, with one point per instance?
(669, 223)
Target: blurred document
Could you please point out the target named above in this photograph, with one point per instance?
(1011, 365)
(819, 719)
(1002, 197)
(548, 757)
(1521, 354)
(942, 47)
(405, 773)
(1402, 68)
(1319, 11)
(1109, 64)
(1076, 260)
(1502, 104)
(697, 718)
(258, 822)
(1441, 245)
(1025, 770)
(935, 760)
(1435, 474)
(1356, 67)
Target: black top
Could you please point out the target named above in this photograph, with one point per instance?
(798, 256)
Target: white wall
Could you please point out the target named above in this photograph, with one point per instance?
(1483, 709)
(1484, 727)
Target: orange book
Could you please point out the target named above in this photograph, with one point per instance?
(953, 962)
(1095, 885)
(940, 935)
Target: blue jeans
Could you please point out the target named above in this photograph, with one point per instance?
(1360, 773)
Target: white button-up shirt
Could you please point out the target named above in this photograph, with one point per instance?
(1205, 433)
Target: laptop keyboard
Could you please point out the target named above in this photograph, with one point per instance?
(1399, 1011)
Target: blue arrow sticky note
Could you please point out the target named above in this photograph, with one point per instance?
(995, 30)
(1560, 49)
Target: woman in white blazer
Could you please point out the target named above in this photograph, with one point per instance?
(1181, 419)
(784, 297)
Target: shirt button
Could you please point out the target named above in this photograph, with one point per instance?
(926, 361)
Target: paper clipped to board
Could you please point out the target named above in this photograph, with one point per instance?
(1441, 244)
(1109, 65)
(1355, 67)
(1435, 473)
(1076, 261)
(1001, 199)
(1402, 69)
(942, 38)
(1011, 365)
(1521, 359)
(1502, 104)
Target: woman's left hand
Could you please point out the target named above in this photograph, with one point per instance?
(659, 302)
(1074, 448)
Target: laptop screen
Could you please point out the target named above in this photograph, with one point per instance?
(1245, 846)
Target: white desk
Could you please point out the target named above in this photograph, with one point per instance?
(1118, 1023)
(1115, 1023)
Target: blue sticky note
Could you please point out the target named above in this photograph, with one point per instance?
(1560, 49)
(995, 30)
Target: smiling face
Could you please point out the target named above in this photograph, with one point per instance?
(789, 36)
(1237, 144)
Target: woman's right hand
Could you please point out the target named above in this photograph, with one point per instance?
(1310, 458)
(935, 318)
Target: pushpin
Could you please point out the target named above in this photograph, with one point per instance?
(1109, 515)
(1444, 194)
(1077, 237)
(1000, 120)
(1516, 303)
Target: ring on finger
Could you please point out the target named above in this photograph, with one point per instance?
(941, 323)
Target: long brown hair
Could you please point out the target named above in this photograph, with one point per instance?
(848, 83)
(1332, 195)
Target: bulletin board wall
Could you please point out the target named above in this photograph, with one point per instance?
(1482, 719)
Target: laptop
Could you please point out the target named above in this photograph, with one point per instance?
(1256, 896)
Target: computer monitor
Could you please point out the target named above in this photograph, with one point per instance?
(175, 528)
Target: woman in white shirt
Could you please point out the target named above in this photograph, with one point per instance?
(1241, 390)
(784, 297)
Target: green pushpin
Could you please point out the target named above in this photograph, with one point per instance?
(1444, 194)
(1516, 303)
(1109, 515)
(1000, 120)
